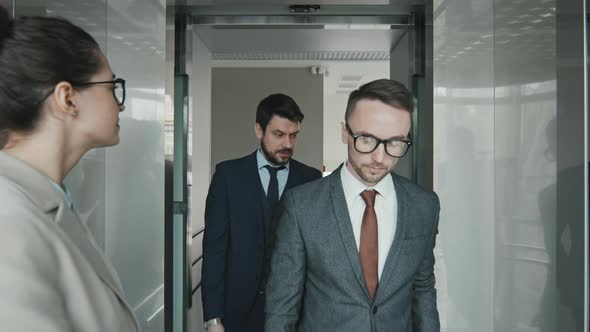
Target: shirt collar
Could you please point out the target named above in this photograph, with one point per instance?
(353, 187)
(65, 192)
(261, 160)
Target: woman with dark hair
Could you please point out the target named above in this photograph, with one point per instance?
(59, 98)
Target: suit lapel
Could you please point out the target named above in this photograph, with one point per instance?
(292, 178)
(80, 235)
(340, 210)
(258, 198)
(388, 274)
(253, 174)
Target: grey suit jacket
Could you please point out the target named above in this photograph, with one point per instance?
(53, 278)
(316, 280)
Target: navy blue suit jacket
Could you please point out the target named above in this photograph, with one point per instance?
(233, 243)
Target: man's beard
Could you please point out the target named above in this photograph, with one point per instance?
(271, 158)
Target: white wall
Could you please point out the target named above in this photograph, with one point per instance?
(200, 105)
(199, 70)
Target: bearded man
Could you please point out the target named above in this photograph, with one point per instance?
(240, 215)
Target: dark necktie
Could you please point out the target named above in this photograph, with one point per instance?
(369, 244)
(272, 193)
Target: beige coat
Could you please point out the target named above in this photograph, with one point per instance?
(53, 277)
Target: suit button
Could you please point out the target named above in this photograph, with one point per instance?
(374, 310)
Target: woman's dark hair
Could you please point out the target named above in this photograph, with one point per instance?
(36, 53)
(280, 105)
(387, 91)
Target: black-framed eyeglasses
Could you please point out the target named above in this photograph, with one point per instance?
(394, 147)
(118, 89)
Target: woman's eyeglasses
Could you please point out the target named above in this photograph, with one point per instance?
(118, 89)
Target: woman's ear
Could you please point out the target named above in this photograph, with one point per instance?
(64, 98)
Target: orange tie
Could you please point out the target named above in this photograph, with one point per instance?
(369, 244)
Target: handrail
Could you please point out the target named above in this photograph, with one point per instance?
(195, 289)
(199, 232)
(197, 260)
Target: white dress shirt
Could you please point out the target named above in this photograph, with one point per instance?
(385, 208)
(282, 175)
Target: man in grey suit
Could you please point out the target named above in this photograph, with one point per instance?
(354, 250)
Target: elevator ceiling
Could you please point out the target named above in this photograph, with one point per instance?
(336, 31)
